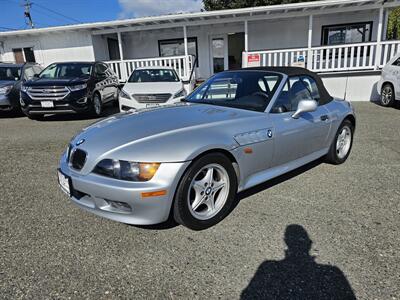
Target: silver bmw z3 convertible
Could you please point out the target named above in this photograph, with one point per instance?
(189, 160)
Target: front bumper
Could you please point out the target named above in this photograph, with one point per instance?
(75, 102)
(5, 103)
(127, 104)
(96, 194)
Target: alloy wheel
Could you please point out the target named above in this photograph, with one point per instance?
(97, 104)
(208, 191)
(343, 142)
(386, 95)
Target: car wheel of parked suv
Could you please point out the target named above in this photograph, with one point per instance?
(97, 105)
(206, 193)
(387, 95)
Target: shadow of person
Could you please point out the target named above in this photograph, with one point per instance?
(297, 276)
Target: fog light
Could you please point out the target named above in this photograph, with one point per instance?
(121, 206)
(82, 101)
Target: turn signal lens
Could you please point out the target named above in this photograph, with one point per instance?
(147, 170)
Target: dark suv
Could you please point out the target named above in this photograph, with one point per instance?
(69, 87)
(11, 77)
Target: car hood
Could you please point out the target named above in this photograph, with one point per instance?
(152, 87)
(56, 81)
(7, 82)
(158, 129)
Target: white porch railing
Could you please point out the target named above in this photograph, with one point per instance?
(182, 64)
(349, 57)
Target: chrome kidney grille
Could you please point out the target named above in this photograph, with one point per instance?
(151, 98)
(77, 159)
(48, 92)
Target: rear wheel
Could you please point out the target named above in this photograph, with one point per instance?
(341, 146)
(206, 193)
(387, 95)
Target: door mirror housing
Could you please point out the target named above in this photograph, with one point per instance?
(305, 106)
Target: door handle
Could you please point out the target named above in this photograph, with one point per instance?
(324, 117)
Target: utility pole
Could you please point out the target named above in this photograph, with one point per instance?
(27, 14)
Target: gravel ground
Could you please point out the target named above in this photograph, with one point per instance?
(348, 216)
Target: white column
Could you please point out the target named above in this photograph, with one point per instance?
(124, 73)
(379, 39)
(246, 36)
(121, 52)
(186, 64)
(185, 40)
(309, 44)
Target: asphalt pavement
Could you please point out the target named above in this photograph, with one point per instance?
(320, 231)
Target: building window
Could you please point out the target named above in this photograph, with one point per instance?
(22, 55)
(113, 49)
(176, 47)
(346, 33)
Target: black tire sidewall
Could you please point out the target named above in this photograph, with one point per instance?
(93, 105)
(181, 210)
(332, 156)
(393, 95)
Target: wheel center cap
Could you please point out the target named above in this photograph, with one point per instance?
(208, 191)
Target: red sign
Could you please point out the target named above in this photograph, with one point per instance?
(251, 58)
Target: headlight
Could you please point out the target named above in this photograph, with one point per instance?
(5, 89)
(125, 170)
(123, 94)
(24, 88)
(78, 87)
(181, 93)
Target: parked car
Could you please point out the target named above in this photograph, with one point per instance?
(151, 86)
(11, 77)
(389, 84)
(237, 130)
(69, 87)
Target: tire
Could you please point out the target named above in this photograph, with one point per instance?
(97, 106)
(341, 146)
(213, 199)
(387, 95)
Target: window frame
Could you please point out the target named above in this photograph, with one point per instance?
(23, 49)
(193, 38)
(286, 82)
(324, 41)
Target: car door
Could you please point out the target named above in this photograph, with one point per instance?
(296, 138)
(102, 81)
(395, 71)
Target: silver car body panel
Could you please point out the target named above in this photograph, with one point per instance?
(177, 134)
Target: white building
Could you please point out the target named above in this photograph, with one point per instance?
(340, 39)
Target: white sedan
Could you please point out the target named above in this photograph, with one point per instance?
(389, 84)
(151, 86)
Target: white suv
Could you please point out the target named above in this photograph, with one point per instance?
(389, 84)
(151, 86)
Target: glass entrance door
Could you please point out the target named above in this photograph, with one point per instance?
(219, 54)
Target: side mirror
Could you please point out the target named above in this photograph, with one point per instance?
(305, 106)
(35, 76)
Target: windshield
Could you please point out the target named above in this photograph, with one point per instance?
(10, 73)
(66, 70)
(154, 75)
(251, 90)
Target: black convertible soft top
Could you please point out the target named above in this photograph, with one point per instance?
(297, 71)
